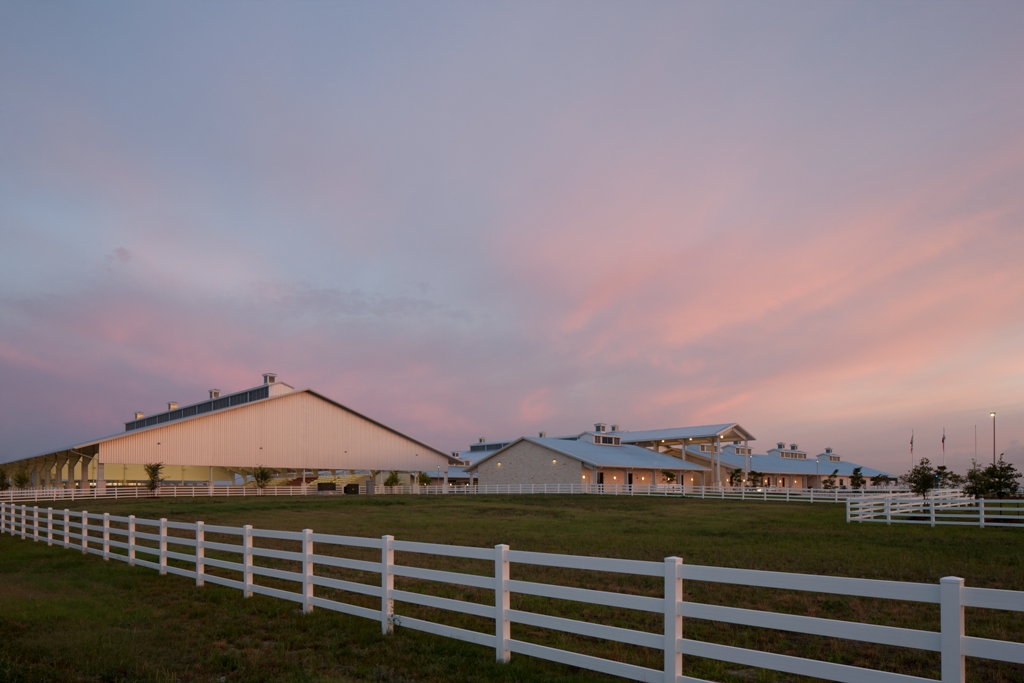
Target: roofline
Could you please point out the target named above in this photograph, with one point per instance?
(535, 441)
(732, 425)
(119, 435)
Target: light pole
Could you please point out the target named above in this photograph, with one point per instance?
(993, 437)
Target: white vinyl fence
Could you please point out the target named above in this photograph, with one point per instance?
(720, 492)
(937, 510)
(131, 539)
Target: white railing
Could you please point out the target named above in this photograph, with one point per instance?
(720, 492)
(937, 510)
(120, 492)
(186, 545)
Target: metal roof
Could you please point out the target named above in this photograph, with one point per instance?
(121, 434)
(597, 455)
(773, 464)
(681, 433)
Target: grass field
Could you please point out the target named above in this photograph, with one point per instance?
(69, 617)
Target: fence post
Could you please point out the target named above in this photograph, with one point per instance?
(847, 510)
(131, 540)
(67, 528)
(981, 513)
(85, 532)
(387, 584)
(49, 526)
(952, 628)
(200, 554)
(247, 560)
(888, 511)
(932, 506)
(3, 517)
(673, 619)
(163, 546)
(502, 603)
(106, 535)
(24, 522)
(307, 571)
(35, 523)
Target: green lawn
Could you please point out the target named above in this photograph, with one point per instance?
(69, 617)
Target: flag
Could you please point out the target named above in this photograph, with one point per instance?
(911, 441)
(943, 440)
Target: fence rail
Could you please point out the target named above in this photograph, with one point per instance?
(720, 492)
(181, 548)
(937, 511)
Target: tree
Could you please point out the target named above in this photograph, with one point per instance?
(736, 477)
(423, 479)
(22, 479)
(1003, 477)
(261, 476)
(755, 478)
(921, 478)
(393, 479)
(154, 471)
(670, 477)
(857, 480)
(5, 479)
(830, 481)
(995, 481)
(947, 479)
(882, 480)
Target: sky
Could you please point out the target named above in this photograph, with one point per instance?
(492, 219)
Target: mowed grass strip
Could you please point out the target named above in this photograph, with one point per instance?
(68, 617)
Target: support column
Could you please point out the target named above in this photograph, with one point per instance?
(83, 480)
(718, 461)
(746, 460)
(101, 481)
(59, 464)
(72, 461)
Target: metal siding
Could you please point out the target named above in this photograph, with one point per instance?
(298, 430)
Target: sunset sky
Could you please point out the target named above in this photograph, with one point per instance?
(492, 219)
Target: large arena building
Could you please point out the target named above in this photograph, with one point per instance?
(224, 437)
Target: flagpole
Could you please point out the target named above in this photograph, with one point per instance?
(943, 446)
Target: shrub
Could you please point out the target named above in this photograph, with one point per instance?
(830, 481)
(393, 479)
(154, 471)
(670, 477)
(5, 479)
(736, 477)
(261, 476)
(22, 479)
(857, 480)
(423, 479)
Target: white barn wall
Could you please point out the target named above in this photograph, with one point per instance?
(528, 463)
(296, 430)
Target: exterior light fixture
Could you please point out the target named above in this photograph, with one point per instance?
(553, 462)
